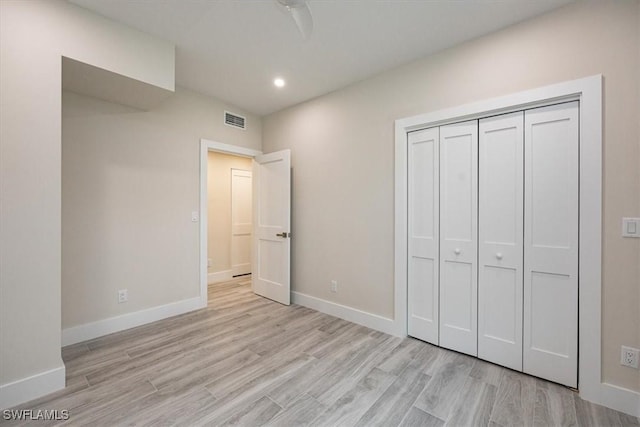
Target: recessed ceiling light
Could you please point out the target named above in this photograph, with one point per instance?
(279, 82)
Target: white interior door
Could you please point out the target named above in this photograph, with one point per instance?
(423, 295)
(459, 237)
(551, 243)
(500, 238)
(272, 215)
(241, 222)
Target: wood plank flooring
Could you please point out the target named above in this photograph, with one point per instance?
(249, 361)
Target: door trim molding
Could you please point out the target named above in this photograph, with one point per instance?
(588, 91)
(206, 146)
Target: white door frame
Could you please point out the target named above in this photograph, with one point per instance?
(589, 92)
(205, 147)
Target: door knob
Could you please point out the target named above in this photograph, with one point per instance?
(499, 255)
(457, 251)
(284, 234)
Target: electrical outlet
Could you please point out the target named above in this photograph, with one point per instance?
(209, 262)
(123, 296)
(629, 357)
(334, 286)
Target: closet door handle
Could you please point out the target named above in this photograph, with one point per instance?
(499, 255)
(457, 251)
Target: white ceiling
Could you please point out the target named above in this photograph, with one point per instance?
(233, 49)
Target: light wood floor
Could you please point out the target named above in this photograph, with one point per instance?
(249, 361)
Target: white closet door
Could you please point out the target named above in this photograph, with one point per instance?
(500, 238)
(423, 235)
(551, 243)
(458, 237)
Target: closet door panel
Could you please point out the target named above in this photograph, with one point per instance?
(458, 236)
(423, 295)
(551, 243)
(500, 225)
(457, 301)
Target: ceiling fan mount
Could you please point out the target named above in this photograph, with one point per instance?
(301, 15)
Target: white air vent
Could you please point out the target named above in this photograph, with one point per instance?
(234, 120)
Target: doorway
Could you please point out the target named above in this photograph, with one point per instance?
(229, 216)
(270, 223)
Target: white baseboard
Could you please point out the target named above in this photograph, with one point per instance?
(354, 315)
(219, 276)
(33, 387)
(240, 269)
(618, 398)
(99, 328)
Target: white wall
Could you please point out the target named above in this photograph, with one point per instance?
(343, 146)
(130, 180)
(34, 35)
(219, 207)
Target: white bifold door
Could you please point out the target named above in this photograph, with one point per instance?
(493, 239)
(500, 250)
(423, 234)
(459, 237)
(551, 243)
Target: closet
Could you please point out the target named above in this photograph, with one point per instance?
(493, 239)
